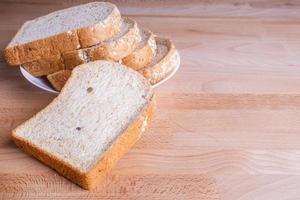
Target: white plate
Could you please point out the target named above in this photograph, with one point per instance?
(43, 83)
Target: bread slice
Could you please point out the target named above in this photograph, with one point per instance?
(58, 79)
(64, 30)
(167, 59)
(144, 53)
(98, 116)
(115, 48)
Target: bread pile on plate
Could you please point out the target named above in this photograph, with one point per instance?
(105, 67)
(53, 45)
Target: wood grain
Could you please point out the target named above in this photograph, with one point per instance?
(114, 187)
(226, 127)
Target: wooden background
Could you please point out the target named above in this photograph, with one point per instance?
(227, 125)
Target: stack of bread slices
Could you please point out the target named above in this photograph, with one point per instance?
(53, 45)
(105, 66)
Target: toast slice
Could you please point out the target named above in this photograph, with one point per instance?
(144, 53)
(167, 59)
(64, 30)
(58, 79)
(115, 48)
(98, 116)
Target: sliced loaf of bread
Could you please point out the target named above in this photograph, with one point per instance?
(98, 116)
(64, 30)
(144, 53)
(167, 59)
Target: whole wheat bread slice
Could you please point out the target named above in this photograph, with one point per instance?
(98, 116)
(167, 59)
(64, 30)
(144, 53)
(58, 79)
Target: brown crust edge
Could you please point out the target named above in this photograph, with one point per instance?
(149, 71)
(43, 67)
(63, 42)
(42, 48)
(123, 144)
(73, 58)
(143, 56)
(58, 79)
(88, 180)
(119, 48)
(98, 33)
(115, 50)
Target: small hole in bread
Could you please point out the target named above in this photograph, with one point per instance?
(30, 49)
(89, 89)
(78, 128)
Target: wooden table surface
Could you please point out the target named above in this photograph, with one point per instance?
(227, 126)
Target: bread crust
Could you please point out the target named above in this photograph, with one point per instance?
(153, 74)
(74, 58)
(67, 41)
(42, 48)
(114, 50)
(159, 71)
(123, 144)
(141, 57)
(99, 32)
(88, 180)
(43, 67)
(58, 79)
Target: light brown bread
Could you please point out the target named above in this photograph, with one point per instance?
(58, 79)
(90, 180)
(45, 66)
(167, 59)
(115, 48)
(22, 50)
(144, 53)
(99, 115)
